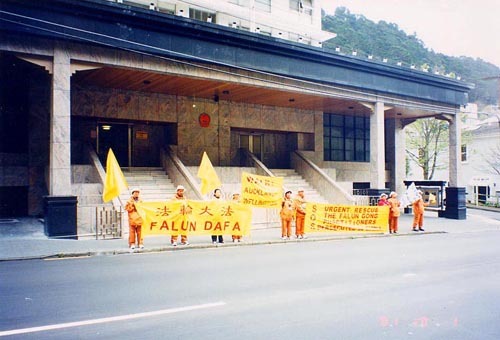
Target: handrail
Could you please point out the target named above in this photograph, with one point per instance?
(178, 172)
(95, 161)
(260, 168)
(320, 180)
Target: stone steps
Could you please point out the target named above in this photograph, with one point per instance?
(154, 183)
(293, 181)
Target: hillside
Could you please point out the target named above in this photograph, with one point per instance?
(387, 40)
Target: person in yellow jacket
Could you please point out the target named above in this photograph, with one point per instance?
(394, 212)
(418, 212)
(134, 221)
(287, 215)
(179, 195)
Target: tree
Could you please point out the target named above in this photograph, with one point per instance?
(492, 158)
(386, 40)
(426, 140)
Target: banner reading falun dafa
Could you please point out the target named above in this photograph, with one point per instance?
(261, 191)
(195, 218)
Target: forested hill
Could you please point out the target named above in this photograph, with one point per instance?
(387, 40)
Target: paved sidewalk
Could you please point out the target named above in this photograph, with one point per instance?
(25, 239)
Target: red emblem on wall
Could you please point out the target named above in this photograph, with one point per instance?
(204, 120)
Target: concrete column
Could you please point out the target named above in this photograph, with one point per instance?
(318, 156)
(377, 147)
(60, 126)
(396, 152)
(455, 150)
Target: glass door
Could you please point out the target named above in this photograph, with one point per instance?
(117, 137)
(253, 143)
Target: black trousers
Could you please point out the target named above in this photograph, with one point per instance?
(214, 238)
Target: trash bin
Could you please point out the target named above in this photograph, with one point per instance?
(455, 203)
(60, 216)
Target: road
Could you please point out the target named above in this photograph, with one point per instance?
(434, 286)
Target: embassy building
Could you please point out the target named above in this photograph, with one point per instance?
(160, 82)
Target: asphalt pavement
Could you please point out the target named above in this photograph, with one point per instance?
(24, 238)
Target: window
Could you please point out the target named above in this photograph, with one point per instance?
(302, 6)
(263, 5)
(464, 153)
(201, 15)
(346, 138)
(244, 3)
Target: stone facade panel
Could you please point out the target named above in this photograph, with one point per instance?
(166, 108)
(123, 104)
(148, 107)
(82, 103)
(252, 115)
(236, 115)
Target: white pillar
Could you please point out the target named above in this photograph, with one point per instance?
(377, 147)
(60, 126)
(396, 154)
(399, 168)
(454, 150)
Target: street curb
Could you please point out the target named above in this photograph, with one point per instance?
(87, 254)
(475, 207)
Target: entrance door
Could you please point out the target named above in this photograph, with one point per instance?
(116, 137)
(482, 194)
(253, 143)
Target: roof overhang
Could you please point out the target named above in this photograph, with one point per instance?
(149, 33)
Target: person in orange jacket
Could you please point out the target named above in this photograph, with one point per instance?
(179, 195)
(394, 212)
(418, 212)
(287, 215)
(300, 214)
(134, 221)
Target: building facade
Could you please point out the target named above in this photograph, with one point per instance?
(97, 74)
(293, 20)
(480, 157)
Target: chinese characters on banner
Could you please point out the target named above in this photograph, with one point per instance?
(346, 218)
(195, 218)
(261, 191)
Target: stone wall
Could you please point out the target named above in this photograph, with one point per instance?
(278, 123)
(350, 171)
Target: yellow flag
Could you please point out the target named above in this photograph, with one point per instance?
(115, 182)
(208, 176)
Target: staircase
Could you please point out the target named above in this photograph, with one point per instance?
(293, 181)
(154, 184)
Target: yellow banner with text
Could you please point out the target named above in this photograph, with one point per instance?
(261, 191)
(191, 217)
(346, 218)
